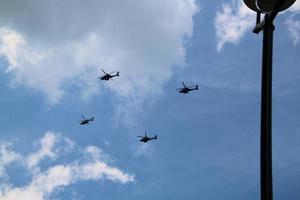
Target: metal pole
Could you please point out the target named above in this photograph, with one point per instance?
(266, 112)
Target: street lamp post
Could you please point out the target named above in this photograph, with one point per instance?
(270, 8)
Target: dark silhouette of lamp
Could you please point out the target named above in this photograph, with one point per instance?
(270, 8)
(267, 6)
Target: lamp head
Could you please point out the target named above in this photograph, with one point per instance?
(267, 6)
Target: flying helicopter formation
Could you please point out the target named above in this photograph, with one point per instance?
(109, 76)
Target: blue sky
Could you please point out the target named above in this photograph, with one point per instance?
(208, 147)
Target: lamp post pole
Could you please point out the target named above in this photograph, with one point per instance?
(266, 112)
(270, 8)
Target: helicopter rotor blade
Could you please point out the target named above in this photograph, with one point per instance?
(103, 71)
(140, 136)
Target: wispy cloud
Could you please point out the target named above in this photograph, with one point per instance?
(294, 28)
(92, 165)
(7, 156)
(293, 23)
(231, 22)
(143, 150)
(50, 146)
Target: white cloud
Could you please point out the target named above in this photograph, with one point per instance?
(10, 41)
(94, 152)
(7, 156)
(293, 22)
(293, 28)
(91, 166)
(50, 146)
(232, 22)
(54, 177)
(46, 149)
(28, 193)
(55, 47)
(98, 170)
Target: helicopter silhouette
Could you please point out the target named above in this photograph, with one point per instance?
(186, 90)
(145, 138)
(108, 76)
(85, 121)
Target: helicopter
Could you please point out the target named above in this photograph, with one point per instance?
(145, 138)
(186, 89)
(108, 76)
(85, 121)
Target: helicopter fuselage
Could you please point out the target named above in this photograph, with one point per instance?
(83, 122)
(86, 121)
(185, 90)
(107, 76)
(147, 139)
